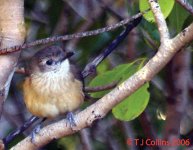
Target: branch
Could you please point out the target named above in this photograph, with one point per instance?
(186, 5)
(70, 36)
(101, 88)
(20, 130)
(99, 109)
(159, 18)
(12, 32)
(92, 65)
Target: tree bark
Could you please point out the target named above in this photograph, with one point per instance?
(12, 32)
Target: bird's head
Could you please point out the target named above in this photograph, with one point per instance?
(50, 59)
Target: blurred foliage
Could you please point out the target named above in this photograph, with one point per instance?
(66, 143)
(46, 18)
(177, 18)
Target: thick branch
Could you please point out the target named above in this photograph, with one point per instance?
(12, 32)
(104, 105)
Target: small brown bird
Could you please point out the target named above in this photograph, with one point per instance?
(52, 88)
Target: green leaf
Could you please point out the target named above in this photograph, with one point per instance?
(132, 106)
(151, 34)
(103, 66)
(177, 18)
(111, 76)
(135, 104)
(188, 21)
(166, 8)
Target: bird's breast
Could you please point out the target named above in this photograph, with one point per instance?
(50, 95)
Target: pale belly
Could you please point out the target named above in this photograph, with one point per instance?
(44, 99)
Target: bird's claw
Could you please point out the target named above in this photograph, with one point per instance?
(34, 132)
(70, 119)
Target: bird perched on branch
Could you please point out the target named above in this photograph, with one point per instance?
(52, 88)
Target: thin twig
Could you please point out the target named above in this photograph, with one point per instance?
(186, 5)
(101, 88)
(20, 130)
(71, 36)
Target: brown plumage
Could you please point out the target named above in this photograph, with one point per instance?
(51, 88)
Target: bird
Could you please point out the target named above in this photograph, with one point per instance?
(52, 87)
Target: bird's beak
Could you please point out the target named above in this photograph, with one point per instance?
(68, 55)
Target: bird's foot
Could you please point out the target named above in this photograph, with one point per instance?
(34, 132)
(70, 119)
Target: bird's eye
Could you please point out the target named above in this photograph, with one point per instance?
(49, 62)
